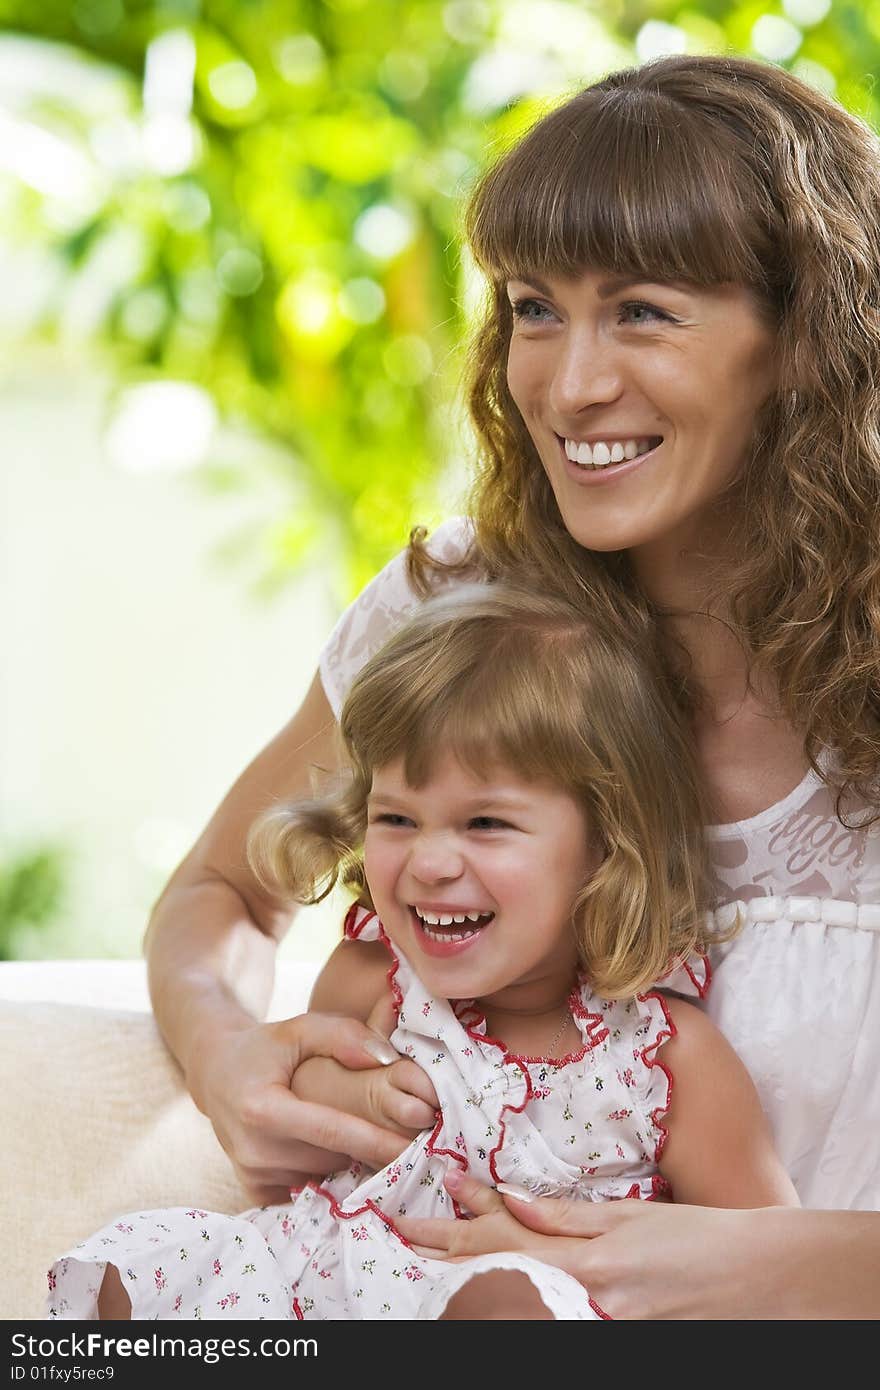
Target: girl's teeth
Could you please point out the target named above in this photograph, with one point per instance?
(448, 935)
(446, 919)
(436, 924)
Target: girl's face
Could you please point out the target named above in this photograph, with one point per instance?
(602, 369)
(506, 856)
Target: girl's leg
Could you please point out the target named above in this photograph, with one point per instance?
(503, 1294)
(114, 1304)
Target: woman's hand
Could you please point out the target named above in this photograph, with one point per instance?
(636, 1259)
(271, 1136)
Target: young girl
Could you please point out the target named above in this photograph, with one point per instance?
(523, 824)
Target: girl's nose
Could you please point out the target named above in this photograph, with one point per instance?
(435, 859)
(586, 373)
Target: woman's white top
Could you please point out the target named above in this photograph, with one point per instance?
(797, 992)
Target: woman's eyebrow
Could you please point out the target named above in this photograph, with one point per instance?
(607, 287)
(622, 282)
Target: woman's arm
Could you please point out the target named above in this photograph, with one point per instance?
(657, 1260)
(211, 946)
(718, 1150)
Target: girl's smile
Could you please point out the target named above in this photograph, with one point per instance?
(475, 880)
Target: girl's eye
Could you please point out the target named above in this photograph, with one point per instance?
(389, 818)
(636, 312)
(531, 311)
(488, 823)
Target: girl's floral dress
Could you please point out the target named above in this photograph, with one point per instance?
(588, 1125)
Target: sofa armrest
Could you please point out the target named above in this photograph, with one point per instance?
(94, 1115)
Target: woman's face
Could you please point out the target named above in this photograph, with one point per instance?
(640, 398)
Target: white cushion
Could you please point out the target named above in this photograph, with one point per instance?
(94, 1115)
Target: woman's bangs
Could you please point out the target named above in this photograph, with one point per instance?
(630, 189)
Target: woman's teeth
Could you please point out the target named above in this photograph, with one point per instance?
(600, 454)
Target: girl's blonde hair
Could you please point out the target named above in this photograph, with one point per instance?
(711, 170)
(504, 676)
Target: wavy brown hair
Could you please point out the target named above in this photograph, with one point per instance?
(501, 676)
(714, 170)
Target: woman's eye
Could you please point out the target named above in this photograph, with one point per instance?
(636, 311)
(531, 311)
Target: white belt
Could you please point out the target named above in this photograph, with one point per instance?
(833, 912)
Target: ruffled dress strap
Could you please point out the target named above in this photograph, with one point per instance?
(654, 1081)
(690, 978)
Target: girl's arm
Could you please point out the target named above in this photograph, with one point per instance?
(718, 1151)
(211, 948)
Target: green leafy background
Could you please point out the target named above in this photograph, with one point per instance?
(269, 193)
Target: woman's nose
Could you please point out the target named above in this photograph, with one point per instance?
(586, 373)
(435, 859)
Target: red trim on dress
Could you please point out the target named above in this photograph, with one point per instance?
(369, 1205)
(659, 1111)
(702, 988)
(471, 1018)
(351, 927)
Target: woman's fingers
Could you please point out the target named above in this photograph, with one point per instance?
(334, 1133)
(562, 1216)
(330, 1035)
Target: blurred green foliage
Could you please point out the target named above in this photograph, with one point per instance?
(32, 894)
(263, 199)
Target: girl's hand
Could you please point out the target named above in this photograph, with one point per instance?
(243, 1084)
(400, 1096)
(492, 1227)
(397, 1096)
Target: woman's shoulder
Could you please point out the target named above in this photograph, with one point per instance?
(384, 604)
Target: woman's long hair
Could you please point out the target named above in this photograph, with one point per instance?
(508, 677)
(714, 170)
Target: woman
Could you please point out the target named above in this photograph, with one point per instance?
(675, 394)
